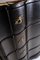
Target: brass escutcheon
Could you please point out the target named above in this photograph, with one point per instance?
(19, 20)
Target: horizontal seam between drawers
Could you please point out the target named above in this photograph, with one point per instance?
(32, 24)
(34, 47)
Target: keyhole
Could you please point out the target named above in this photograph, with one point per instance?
(18, 21)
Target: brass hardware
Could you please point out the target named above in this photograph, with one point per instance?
(19, 20)
(10, 3)
(3, 4)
